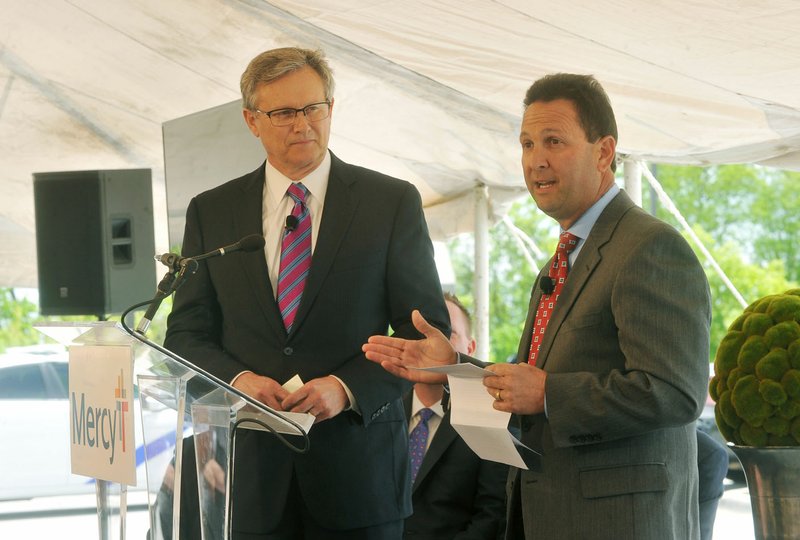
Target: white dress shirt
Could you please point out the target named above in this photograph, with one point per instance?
(433, 422)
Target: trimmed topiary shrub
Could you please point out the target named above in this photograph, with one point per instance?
(756, 382)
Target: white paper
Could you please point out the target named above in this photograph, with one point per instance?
(473, 416)
(293, 384)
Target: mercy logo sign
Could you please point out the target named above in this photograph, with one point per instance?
(101, 423)
(96, 426)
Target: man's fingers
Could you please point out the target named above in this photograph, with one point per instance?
(385, 347)
(422, 325)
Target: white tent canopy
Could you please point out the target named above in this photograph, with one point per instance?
(429, 91)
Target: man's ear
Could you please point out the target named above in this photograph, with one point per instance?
(250, 120)
(471, 346)
(607, 147)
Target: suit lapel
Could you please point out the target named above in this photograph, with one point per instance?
(443, 438)
(338, 210)
(588, 259)
(248, 220)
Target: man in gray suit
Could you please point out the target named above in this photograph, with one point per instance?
(620, 376)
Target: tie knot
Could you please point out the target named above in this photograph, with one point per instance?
(298, 192)
(424, 414)
(567, 242)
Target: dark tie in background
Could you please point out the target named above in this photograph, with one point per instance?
(295, 256)
(558, 273)
(418, 441)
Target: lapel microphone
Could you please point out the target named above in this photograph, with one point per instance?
(291, 223)
(547, 285)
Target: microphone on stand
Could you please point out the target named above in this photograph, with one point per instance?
(248, 243)
(178, 266)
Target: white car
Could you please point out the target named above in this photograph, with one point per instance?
(34, 428)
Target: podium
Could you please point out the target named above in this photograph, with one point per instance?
(177, 399)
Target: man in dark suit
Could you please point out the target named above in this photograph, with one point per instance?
(456, 495)
(371, 263)
(609, 387)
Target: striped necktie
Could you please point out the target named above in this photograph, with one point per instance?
(558, 275)
(295, 256)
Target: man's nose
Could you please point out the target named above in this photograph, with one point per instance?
(535, 159)
(301, 123)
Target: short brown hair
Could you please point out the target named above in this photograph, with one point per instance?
(591, 102)
(453, 299)
(274, 64)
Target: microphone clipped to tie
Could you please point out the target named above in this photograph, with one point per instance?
(291, 223)
(547, 285)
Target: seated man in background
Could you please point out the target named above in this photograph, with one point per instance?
(455, 494)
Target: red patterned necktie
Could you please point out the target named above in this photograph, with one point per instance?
(558, 274)
(295, 256)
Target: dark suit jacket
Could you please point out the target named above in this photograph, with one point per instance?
(372, 265)
(626, 355)
(456, 494)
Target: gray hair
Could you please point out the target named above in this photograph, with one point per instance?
(274, 64)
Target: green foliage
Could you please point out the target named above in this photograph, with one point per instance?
(16, 320)
(18, 316)
(764, 382)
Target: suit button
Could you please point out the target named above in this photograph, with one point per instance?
(288, 351)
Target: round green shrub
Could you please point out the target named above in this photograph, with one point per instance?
(756, 382)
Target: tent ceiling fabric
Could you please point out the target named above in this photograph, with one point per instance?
(427, 90)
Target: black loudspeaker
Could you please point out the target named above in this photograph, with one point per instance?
(94, 241)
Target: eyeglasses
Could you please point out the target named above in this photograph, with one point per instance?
(313, 113)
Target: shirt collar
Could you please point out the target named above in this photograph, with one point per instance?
(583, 226)
(416, 405)
(316, 182)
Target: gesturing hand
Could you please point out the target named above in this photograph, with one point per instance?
(398, 356)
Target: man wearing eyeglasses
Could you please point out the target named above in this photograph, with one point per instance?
(347, 255)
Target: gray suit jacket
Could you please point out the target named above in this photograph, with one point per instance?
(626, 354)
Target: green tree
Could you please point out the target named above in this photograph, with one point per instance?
(16, 321)
(755, 207)
(18, 316)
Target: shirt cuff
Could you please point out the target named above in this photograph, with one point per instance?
(353, 405)
(233, 381)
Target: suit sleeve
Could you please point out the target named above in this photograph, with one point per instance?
(412, 282)
(193, 326)
(645, 357)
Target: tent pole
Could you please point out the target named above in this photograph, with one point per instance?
(633, 180)
(481, 286)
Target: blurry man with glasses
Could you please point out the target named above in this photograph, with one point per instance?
(351, 247)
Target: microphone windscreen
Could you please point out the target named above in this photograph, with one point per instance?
(251, 243)
(547, 285)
